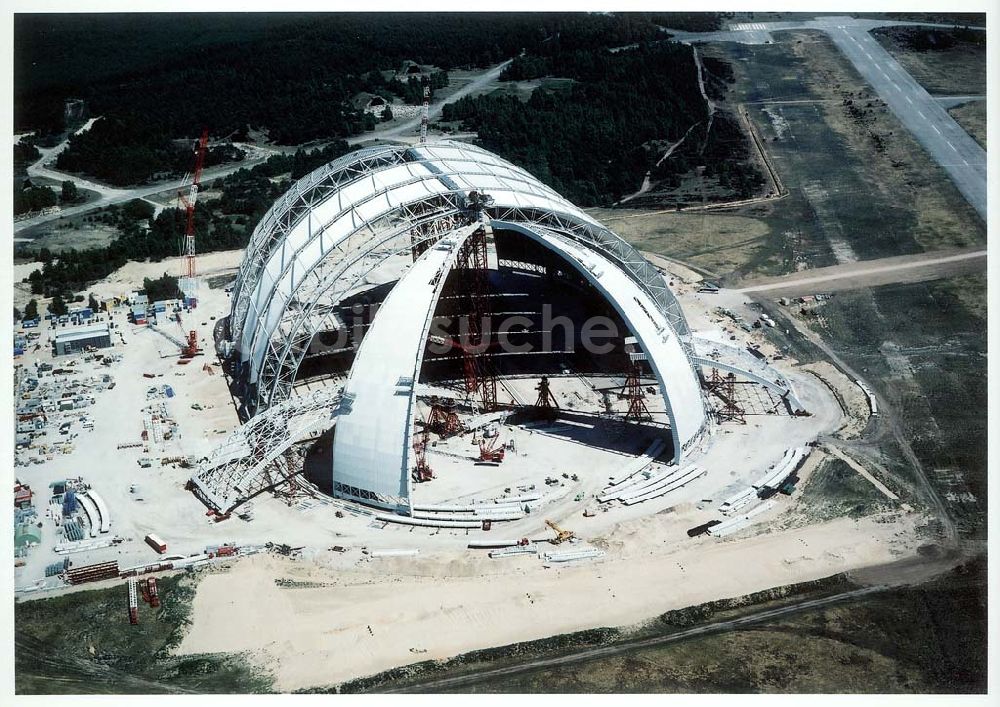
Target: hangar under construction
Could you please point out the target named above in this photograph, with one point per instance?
(405, 291)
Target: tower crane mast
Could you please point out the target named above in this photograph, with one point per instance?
(189, 200)
(425, 114)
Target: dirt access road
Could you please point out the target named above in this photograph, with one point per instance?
(871, 273)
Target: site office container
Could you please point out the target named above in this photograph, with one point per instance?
(156, 543)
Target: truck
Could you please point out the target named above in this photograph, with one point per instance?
(156, 543)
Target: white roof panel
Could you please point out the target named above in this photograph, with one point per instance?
(371, 444)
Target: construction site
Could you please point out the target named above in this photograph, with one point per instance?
(423, 353)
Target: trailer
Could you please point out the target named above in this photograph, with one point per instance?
(155, 542)
(154, 597)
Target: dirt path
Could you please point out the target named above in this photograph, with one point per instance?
(869, 273)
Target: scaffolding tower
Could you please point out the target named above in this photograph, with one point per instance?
(724, 388)
(546, 404)
(473, 285)
(443, 420)
(632, 391)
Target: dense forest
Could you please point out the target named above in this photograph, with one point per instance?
(291, 75)
(220, 224)
(589, 142)
(592, 138)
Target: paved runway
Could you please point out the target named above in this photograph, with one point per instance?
(923, 115)
(949, 145)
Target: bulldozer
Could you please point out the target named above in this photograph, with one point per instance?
(561, 535)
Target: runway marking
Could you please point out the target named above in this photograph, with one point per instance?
(868, 55)
(880, 69)
(950, 145)
(908, 100)
(897, 87)
(965, 163)
(936, 130)
(922, 115)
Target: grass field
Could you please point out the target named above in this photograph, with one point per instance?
(923, 347)
(718, 242)
(972, 117)
(954, 67)
(860, 186)
(866, 186)
(835, 490)
(914, 640)
(82, 643)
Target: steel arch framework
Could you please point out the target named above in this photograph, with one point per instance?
(249, 460)
(287, 292)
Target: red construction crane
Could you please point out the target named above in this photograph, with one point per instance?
(489, 451)
(189, 201)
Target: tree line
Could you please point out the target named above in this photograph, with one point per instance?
(291, 76)
(591, 141)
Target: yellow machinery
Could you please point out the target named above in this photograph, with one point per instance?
(561, 535)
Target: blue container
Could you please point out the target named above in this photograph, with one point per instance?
(69, 503)
(170, 392)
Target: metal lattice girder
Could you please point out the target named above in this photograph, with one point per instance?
(315, 314)
(300, 264)
(389, 200)
(241, 466)
(326, 181)
(295, 205)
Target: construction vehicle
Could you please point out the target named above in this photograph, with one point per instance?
(488, 451)
(561, 535)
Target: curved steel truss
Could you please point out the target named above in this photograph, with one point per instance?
(340, 223)
(253, 458)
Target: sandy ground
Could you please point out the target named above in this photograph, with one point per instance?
(130, 275)
(320, 636)
(447, 600)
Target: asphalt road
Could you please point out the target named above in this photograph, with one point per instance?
(628, 646)
(923, 115)
(109, 195)
(947, 143)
